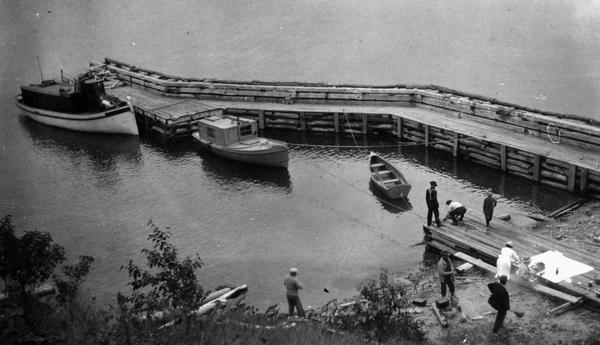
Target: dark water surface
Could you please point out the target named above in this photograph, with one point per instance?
(95, 193)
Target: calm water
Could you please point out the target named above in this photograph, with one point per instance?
(95, 193)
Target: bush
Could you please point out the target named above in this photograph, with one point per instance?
(380, 316)
(29, 261)
(168, 285)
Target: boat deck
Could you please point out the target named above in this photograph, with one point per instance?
(476, 240)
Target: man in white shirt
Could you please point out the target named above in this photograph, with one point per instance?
(510, 252)
(456, 211)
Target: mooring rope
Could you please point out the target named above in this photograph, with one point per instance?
(400, 144)
(350, 128)
(375, 196)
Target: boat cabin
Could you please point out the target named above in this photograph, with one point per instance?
(227, 130)
(81, 95)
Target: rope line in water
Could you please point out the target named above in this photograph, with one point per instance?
(375, 146)
(350, 128)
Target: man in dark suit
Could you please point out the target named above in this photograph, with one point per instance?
(432, 204)
(499, 300)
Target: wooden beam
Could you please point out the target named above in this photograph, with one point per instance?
(261, 119)
(571, 175)
(364, 123)
(583, 179)
(302, 120)
(455, 144)
(555, 293)
(336, 122)
(536, 167)
(503, 157)
(426, 135)
(477, 262)
(399, 128)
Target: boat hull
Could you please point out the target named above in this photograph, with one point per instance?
(396, 192)
(388, 179)
(115, 121)
(268, 152)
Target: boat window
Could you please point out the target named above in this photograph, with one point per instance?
(210, 132)
(246, 130)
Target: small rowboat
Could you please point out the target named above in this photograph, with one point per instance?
(387, 178)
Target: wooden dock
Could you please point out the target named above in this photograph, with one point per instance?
(167, 116)
(558, 150)
(476, 240)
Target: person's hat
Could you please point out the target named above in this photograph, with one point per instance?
(293, 270)
(509, 244)
(503, 279)
(448, 202)
(433, 184)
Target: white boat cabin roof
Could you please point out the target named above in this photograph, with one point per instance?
(225, 122)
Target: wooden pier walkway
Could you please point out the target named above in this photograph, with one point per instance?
(558, 150)
(467, 128)
(474, 239)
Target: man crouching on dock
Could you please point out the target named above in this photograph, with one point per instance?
(456, 211)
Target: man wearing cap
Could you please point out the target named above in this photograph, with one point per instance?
(510, 252)
(432, 204)
(446, 274)
(488, 207)
(456, 211)
(506, 259)
(499, 300)
(292, 285)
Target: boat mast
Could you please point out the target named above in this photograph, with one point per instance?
(40, 66)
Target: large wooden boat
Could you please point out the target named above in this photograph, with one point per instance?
(237, 139)
(80, 104)
(387, 178)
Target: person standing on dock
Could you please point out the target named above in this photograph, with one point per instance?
(510, 252)
(499, 300)
(488, 207)
(506, 259)
(456, 211)
(432, 204)
(292, 285)
(446, 274)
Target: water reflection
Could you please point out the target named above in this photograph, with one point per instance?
(103, 151)
(391, 205)
(511, 187)
(228, 172)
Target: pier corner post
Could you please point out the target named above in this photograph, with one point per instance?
(426, 135)
(364, 124)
